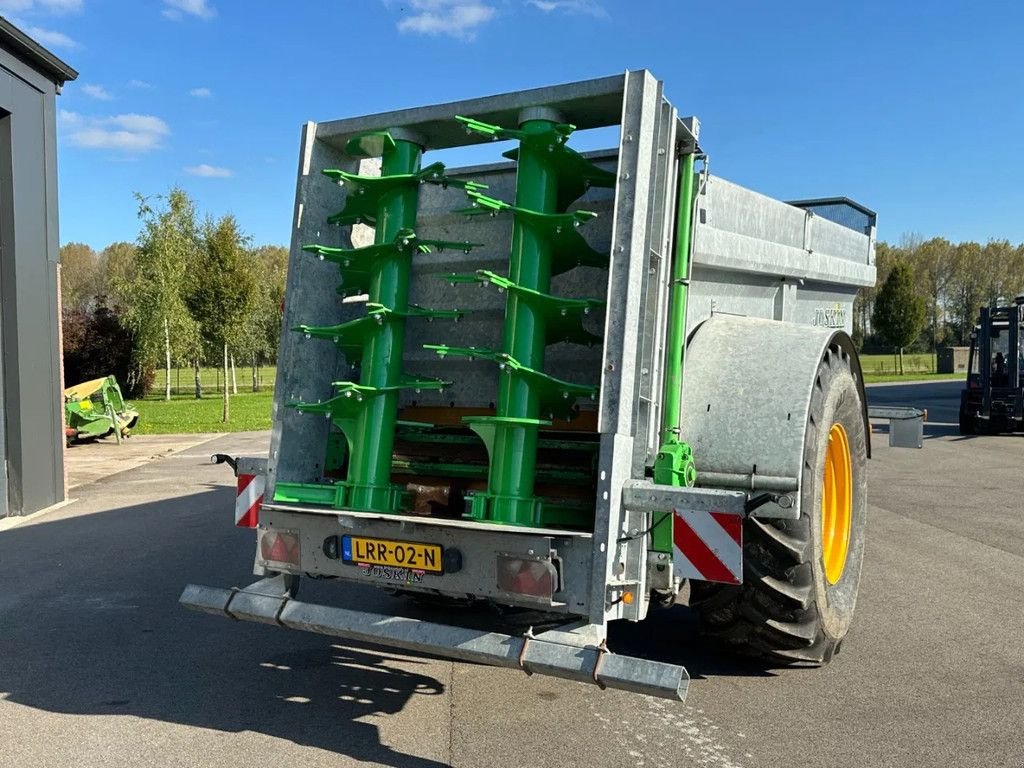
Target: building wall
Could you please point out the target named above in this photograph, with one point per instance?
(31, 402)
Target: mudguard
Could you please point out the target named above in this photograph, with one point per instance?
(746, 393)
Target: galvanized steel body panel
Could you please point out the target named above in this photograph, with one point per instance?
(760, 257)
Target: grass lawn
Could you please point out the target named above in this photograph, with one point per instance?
(880, 378)
(916, 367)
(183, 379)
(183, 413)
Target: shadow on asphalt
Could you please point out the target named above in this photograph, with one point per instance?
(90, 625)
(99, 632)
(672, 636)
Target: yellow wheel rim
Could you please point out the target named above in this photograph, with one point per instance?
(836, 503)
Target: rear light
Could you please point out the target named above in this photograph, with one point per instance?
(527, 577)
(280, 547)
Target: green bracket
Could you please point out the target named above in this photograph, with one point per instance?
(575, 173)
(672, 466)
(349, 336)
(523, 510)
(563, 316)
(549, 133)
(486, 426)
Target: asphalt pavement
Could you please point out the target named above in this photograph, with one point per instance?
(940, 398)
(99, 666)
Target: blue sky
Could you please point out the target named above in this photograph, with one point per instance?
(914, 109)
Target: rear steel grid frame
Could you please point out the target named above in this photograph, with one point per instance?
(634, 102)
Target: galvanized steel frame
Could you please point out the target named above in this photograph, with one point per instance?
(633, 343)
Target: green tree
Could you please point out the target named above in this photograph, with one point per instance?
(223, 293)
(967, 288)
(899, 310)
(933, 266)
(116, 267)
(864, 302)
(262, 332)
(153, 291)
(79, 276)
(1001, 282)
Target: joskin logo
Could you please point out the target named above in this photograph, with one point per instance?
(834, 317)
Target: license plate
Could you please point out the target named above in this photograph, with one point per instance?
(357, 550)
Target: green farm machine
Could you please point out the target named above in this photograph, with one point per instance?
(560, 381)
(95, 409)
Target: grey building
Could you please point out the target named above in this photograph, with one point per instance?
(31, 402)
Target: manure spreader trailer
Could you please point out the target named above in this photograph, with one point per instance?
(564, 382)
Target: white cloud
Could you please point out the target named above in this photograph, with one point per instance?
(456, 18)
(175, 9)
(588, 7)
(201, 93)
(47, 37)
(129, 133)
(141, 84)
(97, 92)
(40, 6)
(209, 171)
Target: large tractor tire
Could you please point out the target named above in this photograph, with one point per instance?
(801, 576)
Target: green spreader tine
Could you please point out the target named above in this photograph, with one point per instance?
(564, 316)
(365, 193)
(558, 132)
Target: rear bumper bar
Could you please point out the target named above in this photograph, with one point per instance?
(267, 602)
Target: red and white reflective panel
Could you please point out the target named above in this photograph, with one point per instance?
(708, 546)
(249, 499)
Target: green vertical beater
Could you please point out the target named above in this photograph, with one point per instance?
(544, 243)
(370, 461)
(514, 448)
(367, 411)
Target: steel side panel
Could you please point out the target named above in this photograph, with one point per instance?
(298, 442)
(627, 273)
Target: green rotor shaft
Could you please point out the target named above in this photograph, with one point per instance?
(374, 435)
(513, 463)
